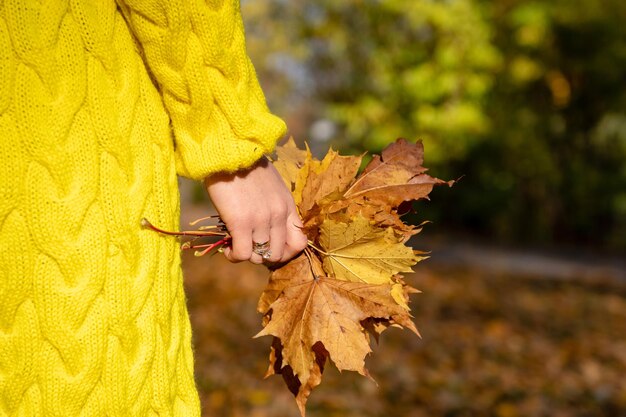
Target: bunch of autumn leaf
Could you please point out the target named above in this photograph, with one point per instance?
(346, 286)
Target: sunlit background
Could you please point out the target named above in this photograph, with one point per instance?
(523, 310)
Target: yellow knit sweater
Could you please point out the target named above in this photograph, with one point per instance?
(101, 105)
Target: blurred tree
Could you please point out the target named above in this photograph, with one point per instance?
(386, 69)
(553, 165)
(525, 98)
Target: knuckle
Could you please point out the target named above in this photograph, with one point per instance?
(256, 260)
(238, 256)
(231, 258)
(294, 222)
(277, 255)
(300, 245)
(289, 254)
(279, 212)
(261, 217)
(293, 248)
(238, 226)
(241, 252)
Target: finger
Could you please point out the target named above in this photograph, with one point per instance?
(296, 240)
(260, 234)
(228, 253)
(278, 230)
(241, 246)
(278, 235)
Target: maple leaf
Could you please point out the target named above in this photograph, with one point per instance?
(289, 161)
(298, 389)
(320, 309)
(382, 215)
(312, 309)
(395, 176)
(359, 252)
(328, 188)
(318, 180)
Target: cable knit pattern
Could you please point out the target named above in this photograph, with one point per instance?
(196, 51)
(93, 319)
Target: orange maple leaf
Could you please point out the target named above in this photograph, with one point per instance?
(309, 309)
(395, 176)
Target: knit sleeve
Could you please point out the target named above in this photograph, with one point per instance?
(195, 50)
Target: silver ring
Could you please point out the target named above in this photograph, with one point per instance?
(262, 249)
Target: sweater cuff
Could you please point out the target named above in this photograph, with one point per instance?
(221, 150)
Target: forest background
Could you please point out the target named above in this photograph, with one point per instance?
(526, 101)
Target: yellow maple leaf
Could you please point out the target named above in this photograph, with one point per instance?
(359, 252)
(289, 160)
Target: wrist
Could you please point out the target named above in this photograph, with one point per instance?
(220, 176)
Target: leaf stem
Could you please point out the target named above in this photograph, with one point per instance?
(312, 245)
(213, 216)
(198, 233)
(308, 254)
(209, 247)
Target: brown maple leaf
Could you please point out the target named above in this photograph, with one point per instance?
(298, 389)
(395, 176)
(382, 215)
(311, 308)
(343, 210)
(387, 182)
(324, 180)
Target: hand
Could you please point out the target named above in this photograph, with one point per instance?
(256, 206)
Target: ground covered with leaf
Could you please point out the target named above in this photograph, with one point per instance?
(492, 345)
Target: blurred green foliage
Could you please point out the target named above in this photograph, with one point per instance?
(526, 99)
